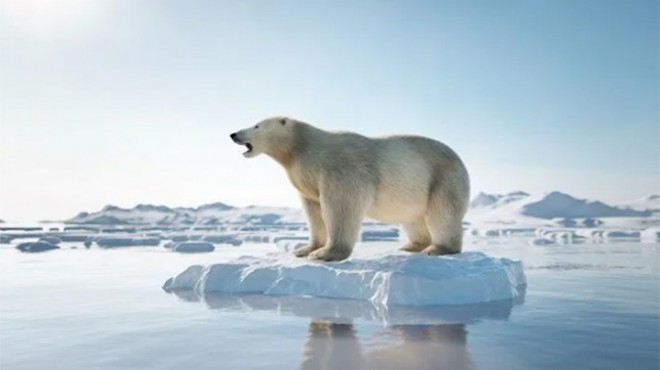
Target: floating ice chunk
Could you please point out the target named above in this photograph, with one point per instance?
(257, 238)
(74, 237)
(50, 239)
(562, 236)
(193, 247)
(466, 278)
(490, 232)
(541, 241)
(650, 235)
(114, 242)
(501, 232)
(621, 234)
(40, 246)
(222, 239)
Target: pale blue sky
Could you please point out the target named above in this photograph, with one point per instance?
(125, 102)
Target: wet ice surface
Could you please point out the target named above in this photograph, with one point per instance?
(585, 306)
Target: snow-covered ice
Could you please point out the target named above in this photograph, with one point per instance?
(493, 211)
(556, 209)
(398, 279)
(651, 235)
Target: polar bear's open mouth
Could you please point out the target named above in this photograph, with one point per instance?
(249, 148)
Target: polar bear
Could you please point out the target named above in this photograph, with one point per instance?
(343, 177)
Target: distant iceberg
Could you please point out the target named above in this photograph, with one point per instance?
(407, 280)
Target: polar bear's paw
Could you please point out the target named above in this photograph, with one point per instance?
(328, 254)
(304, 251)
(414, 247)
(439, 250)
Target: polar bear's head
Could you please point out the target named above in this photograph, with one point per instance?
(270, 136)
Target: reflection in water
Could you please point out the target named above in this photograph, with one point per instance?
(338, 310)
(336, 346)
(418, 337)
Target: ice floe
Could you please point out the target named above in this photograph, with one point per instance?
(193, 247)
(651, 235)
(39, 246)
(409, 280)
(51, 239)
(115, 242)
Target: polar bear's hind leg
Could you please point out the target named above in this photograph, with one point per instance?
(444, 222)
(418, 234)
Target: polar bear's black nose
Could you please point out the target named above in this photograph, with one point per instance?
(233, 136)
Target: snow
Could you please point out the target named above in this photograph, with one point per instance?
(556, 204)
(210, 214)
(490, 215)
(502, 215)
(396, 279)
(649, 202)
(496, 200)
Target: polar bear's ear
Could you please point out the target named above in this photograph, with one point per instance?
(283, 121)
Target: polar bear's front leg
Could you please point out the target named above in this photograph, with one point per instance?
(343, 210)
(318, 234)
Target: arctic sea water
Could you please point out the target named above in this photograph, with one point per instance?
(586, 306)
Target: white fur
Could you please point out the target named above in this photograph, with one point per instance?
(344, 177)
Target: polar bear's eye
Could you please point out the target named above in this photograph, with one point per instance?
(257, 126)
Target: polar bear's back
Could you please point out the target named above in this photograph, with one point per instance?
(410, 169)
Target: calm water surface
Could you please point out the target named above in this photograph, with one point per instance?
(586, 306)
